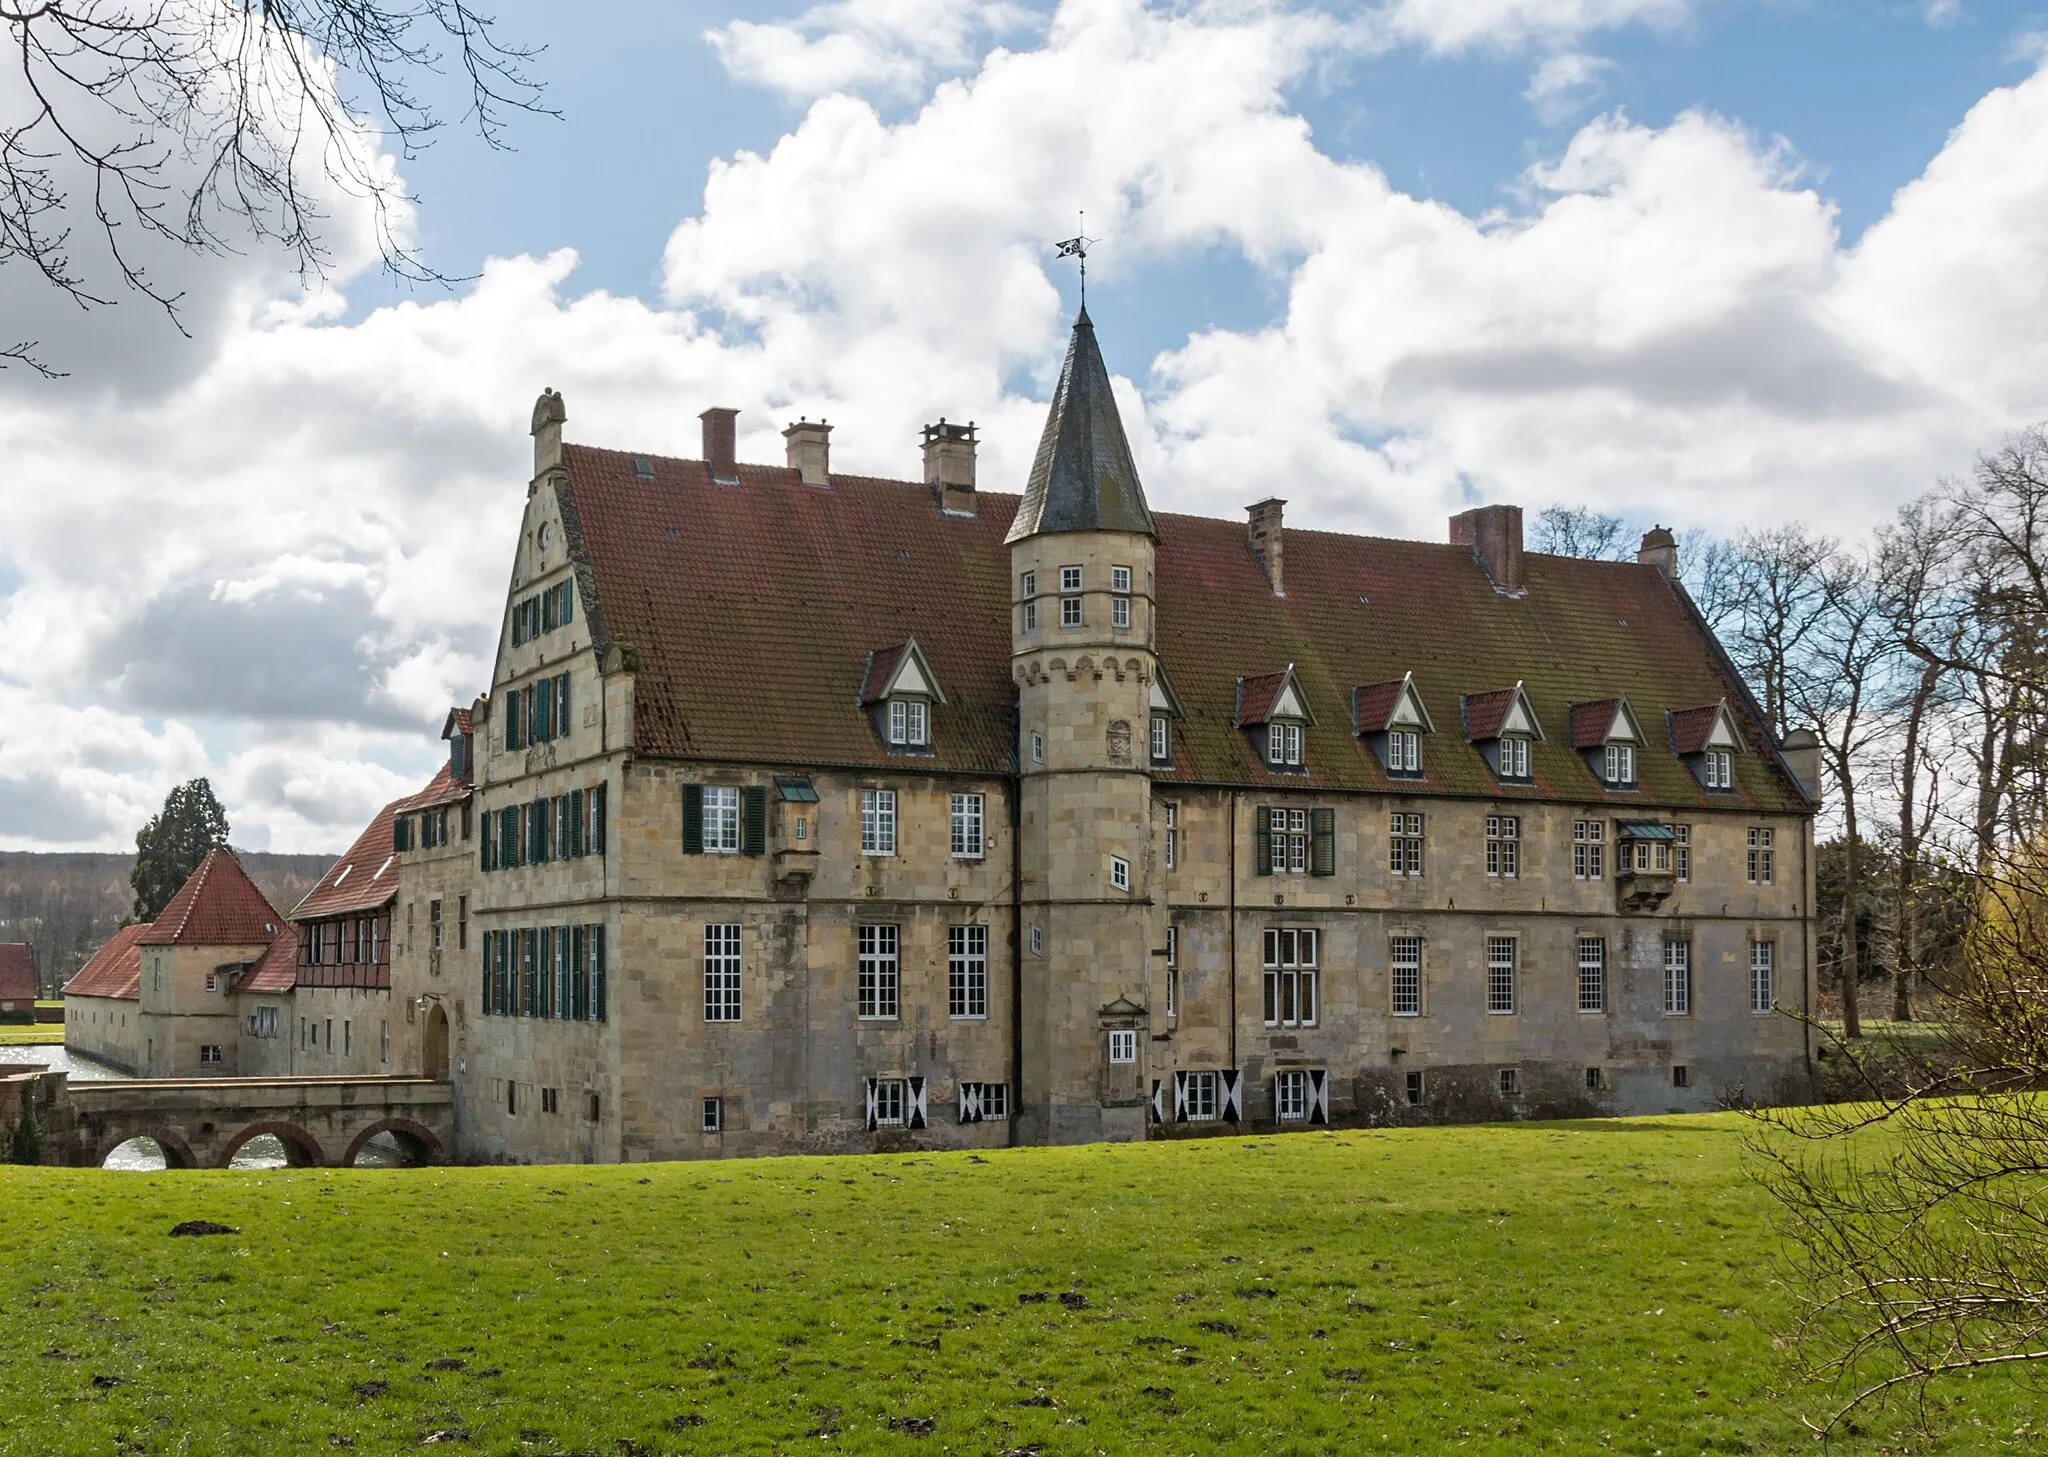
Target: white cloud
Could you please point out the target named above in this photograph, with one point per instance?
(888, 46)
(1565, 84)
(1666, 323)
(1456, 25)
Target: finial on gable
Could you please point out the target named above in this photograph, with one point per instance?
(548, 414)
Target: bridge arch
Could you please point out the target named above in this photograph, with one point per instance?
(301, 1149)
(177, 1153)
(415, 1140)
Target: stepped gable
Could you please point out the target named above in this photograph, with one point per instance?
(366, 876)
(17, 972)
(218, 905)
(115, 969)
(1083, 478)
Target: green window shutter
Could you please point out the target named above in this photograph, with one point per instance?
(1322, 859)
(543, 711)
(594, 844)
(693, 819)
(484, 1000)
(568, 601)
(562, 706)
(487, 849)
(579, 976)
(515, 722)
(1262, 840)
(597, 974)
(753, 821)
(575, 846)
(399, 825)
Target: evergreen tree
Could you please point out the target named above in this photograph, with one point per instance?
(169, 848)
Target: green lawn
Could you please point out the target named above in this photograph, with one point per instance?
(1532, 1288)
(31, 1035)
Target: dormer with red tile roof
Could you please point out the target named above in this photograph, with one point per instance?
(1274, 709)
(1707, 740)
(1607, 735)
(1502, 724)
(1391, 718)
(899, 691)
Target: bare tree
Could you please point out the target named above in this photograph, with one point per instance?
(1582, 532)
(196, 123)
(1779, 597)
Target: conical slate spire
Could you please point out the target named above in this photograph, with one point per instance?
(1084, 478)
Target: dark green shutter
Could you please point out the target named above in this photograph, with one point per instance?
(487, 848)
(515, 725)
(562, 707)
(597, 974)
(1262, 840)
(1322, 854)
(399, 839)
(753, 821)
(543, 711)
(568, 601)
(693, 819)
(576, 842)
(596, 842)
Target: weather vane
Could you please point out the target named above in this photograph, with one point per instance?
(1077, 247)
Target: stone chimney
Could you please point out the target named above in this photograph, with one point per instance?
(1263, 530)
(1802, 755)
(548, 415)
(721, 430)
(1494, 534)
(810, 450)
(949, 466)
(1660, 550)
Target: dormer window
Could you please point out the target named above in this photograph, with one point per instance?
(1274, 711)
(1514, 757)
(1705, 738)
(899, 690)
(1717, 769)
(1502, 725)
(1165, 708)
(1621, 764)
(1283, 746)
(1404, 751)
(1390, 717)
(1607, 733)
(907, 723)
(1162, 739)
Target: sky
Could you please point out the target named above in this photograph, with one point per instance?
(1710, 263)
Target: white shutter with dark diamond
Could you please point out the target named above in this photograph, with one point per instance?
(871, 1105)
(1318, 1096)
(1233, 1095)
(1158, 1101)
(1180, 1097)
(970, 1102)
(916, 1109)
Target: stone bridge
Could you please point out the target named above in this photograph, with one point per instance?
(203, 1122)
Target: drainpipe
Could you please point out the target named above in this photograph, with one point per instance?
(1233, 930)
(1013, 797)
(1806, 948)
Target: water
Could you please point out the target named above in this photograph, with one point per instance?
(61, 1059)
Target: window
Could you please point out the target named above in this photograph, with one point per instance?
(1510, 1082)
(889, 1102)
(1415, 1090)
(1070, 612)
(1514, 758)
(1291, 962)
(878, 822)
(1620, 764)
(1037, 942)
(1031, 617)
(1504, 846)
(1762, 974)
(714, 1115)
(1162, 739)
(1202, 1100)
(1681, 850)
(1119, 579)
(722, 973)
(1404, 847)
(1027, 585)
(1123, 1045)
(1500, 974)
(209, 1055)
(211, 982)
(1404, 955)
(1762, 855)
(967, 971)
(348, 1038)
(1289, 854)
(907, 719)
(1290, 1094)
(1037, 748)
(1718, 769)
(1592, 973)
(995, 1102)
(1119, 872)
(1173, 991)
(1645, 857)
(383, 1042)
(1677, 978)
(1681, 1077)
(1404, 752)
(548, 1100)
(1596, 1079)
(721, 821)
(1283, 745)
(462, 923)
(967, 826)
(880, 972)
(1588, 849)
(1172, 814)
(434, 924)
(1120, 612)
(592, 1107)
(1070, 579)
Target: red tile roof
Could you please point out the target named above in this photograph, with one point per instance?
(277, 969)
(115, 969)
(17, 972)
(762, 657)
(1690, 727)
(881, 667)
(367, 876)
(1373, 704)
(218, 905)
(1592, 721)
(1255, 697)
(443, 788)
(458, 722)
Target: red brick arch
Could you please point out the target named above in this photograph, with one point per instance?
(294, 1138)
(415, 1138)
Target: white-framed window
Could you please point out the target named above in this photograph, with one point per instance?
(1592, 973)
(908, 722)
(1504, 846)
(1289, 853)
(1763, 971)
(1621, 764)
(890, 1101)
(1031, 616)
(1119, 872)
(1037, 748)
(1763, 854)
(721, 820)
(967, 971)
(722, 972)
(1681, 851)
(1070, 612)
(714, 1115)
(1677, 978)
(878, 822)
(1120, 612)
(1404, 958)
(995, 1102)
(434, 916)
(1404, 752)
(1027, 585)
(209, 1055)
(1172, 814)
(1291, 963)
(1173, 991)
(1162, 739)
(1119, 579)
(1719, 767)
(1500, 974)
(968, 836)
(212, 980)
(1589, 849)
(1204, 1103)
(1070, 579)
(1404, 844)
(1037, 941)
(1173, 946)
(1514, 757)
(880, 972)
(1283, 745)
(1123, 1045)
(1510, 1082)
(1290, 1094)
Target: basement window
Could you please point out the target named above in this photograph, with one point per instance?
(714, 1115)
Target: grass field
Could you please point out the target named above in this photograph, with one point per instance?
(1529, 1288)
(40, 1034)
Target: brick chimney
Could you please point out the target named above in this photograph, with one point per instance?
(1262, 528)
(721, 430)
(548, 414)
(949, 466)
(1494, 534)
(1660, 550)
(810, 450)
